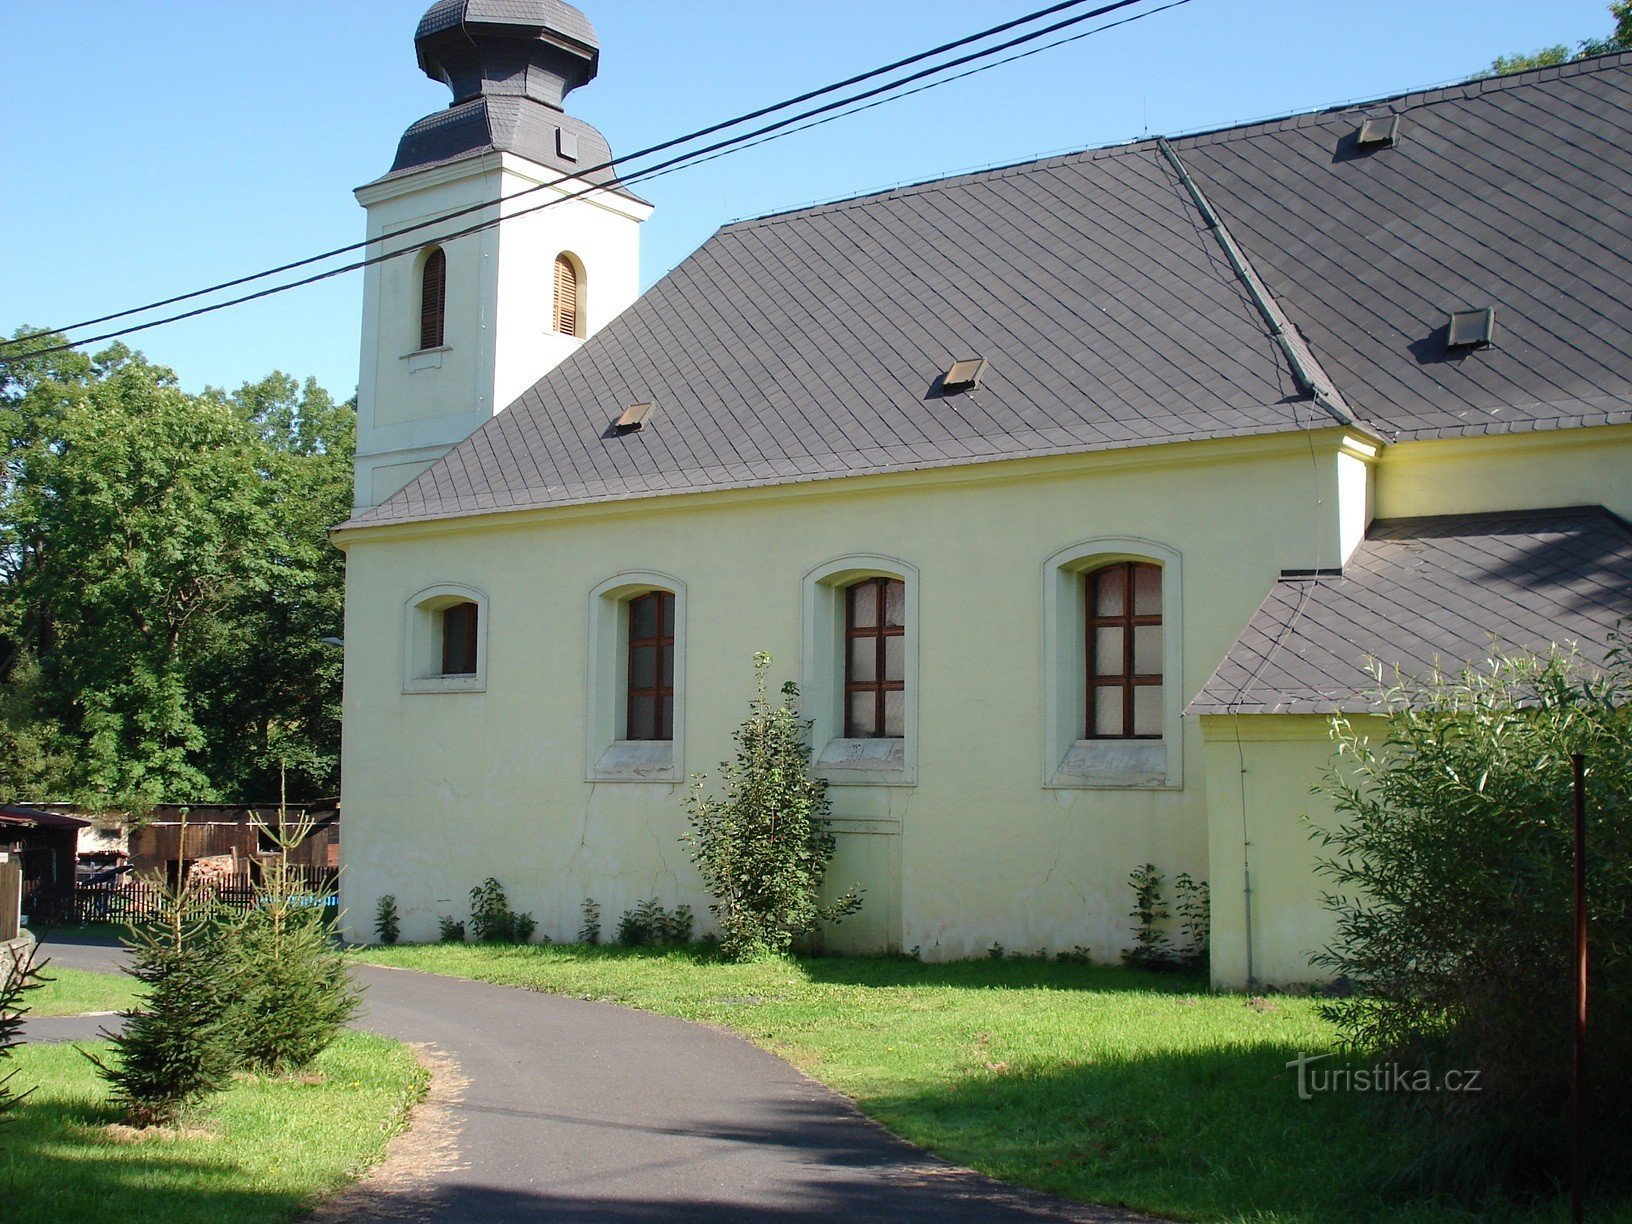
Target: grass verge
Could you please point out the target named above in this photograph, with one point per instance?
(73, 992)
(1097, 1083)
(265, 1150)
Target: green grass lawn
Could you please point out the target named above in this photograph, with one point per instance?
(1093, 1082)
(264, 1150)
(73, 992)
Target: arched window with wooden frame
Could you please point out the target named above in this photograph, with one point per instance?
(650, 711)
(569, 296)
(433, 299)
(875, 659)
(1123, 649)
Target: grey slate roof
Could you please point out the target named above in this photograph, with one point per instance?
(547, 15)
(804, 346)
(1426, 591)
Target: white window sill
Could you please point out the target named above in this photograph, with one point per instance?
(426, 359)
(865, 762)
(637, 761)
(1112, 764)
(446, 684)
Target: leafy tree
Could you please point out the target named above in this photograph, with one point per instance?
(166, 580)
(1547, 57)
(1452, 867)
(764, 845)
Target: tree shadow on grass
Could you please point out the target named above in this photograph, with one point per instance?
(1009, 972)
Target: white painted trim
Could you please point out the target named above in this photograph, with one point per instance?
(1071, 763)
(821, 672)
(608, 757)
(422, 640)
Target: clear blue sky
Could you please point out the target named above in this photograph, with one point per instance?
(148, 148)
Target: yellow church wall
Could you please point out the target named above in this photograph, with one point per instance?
(444, 789)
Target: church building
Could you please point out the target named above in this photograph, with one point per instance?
(1077, 496)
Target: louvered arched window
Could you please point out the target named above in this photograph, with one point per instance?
(433, 298)
(569, 316)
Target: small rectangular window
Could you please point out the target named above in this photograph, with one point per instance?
(651, 667)
(459, 640)
(875, 670)
(1123, 606)
(965, 373)
(1471, 328)
(1381, 132)
(566, 144)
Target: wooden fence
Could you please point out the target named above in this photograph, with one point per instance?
(128, 899)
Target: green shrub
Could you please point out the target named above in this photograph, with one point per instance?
(387, 925)
(1451, 865)
(296, 993)
(450, 929)
(491, 918)
(590, 931)
(21, 975)
(1152, 947)
(180, 1043)
(649, 925)
(764, 846)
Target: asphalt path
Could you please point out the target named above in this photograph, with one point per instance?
(561, 1109)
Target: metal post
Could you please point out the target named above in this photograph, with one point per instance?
(1578, 1074)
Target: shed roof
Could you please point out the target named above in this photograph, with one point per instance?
(805, 345)
(1422, 593)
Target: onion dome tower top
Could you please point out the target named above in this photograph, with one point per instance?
(510, 65)
(541, 49)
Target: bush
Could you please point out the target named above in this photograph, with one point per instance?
(1452, 865)
(1152, 947)
(590, 931)
(649, 925)
(450, 930)
(764, 846)
(180, 1044)
(491, 918)
(296, 993)
(387, 926)
(20, 976)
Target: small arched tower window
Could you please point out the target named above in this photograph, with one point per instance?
(569, 309)
(433, 298)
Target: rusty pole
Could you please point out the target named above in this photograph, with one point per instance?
(1578, 1074)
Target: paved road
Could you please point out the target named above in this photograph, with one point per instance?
(582, 1111)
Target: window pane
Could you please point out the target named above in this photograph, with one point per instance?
(863, 660)
(1108, 652)
(643, 667)
(1110, 588)
(666, 707)
(895, 720)
(459, 640)
(1147, 650)
(643, 617)
(665, 675)
(895, 603)
(863, 605)
(641, 710)
(1107, 711)
(1147, 709)
(862, 715)
(895, 657)
(1147, 590)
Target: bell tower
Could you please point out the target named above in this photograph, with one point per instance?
(462, 323)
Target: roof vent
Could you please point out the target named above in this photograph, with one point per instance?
(964, 375)
(633, 418)
(1379, 133)
(1472, 328)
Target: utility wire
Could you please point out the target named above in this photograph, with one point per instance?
(610, 164)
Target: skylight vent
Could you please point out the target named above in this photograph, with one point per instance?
(1379, 133)
(633, 418)
(1472, 328)
(964, 375)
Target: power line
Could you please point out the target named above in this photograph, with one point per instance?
(610, 164)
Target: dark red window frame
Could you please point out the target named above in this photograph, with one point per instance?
(433, 299)
(879, 631)
(656, 698)
(459, 639)
(1118, 672)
